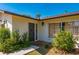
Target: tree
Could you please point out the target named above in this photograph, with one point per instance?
(38, 15)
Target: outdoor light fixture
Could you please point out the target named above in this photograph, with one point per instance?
(42, 23)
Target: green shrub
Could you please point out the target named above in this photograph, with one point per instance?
(1, 47)
(4, 34)
(24, 41)
(10, 46)
(17, 47)
(10, 42)
(24, 37)
(5, 48)
(15, 36)
(64, 40)
(46, 46)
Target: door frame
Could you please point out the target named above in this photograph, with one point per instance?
(36, 32)
(31, 33)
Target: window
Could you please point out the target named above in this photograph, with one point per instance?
(76, 30)
(53, 29)
(68, 26)
(72, 28)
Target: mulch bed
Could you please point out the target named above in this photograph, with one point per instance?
(54, 51)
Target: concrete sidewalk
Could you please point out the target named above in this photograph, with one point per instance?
(22, 52)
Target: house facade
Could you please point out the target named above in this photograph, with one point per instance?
(70, 23)
(21, 23)
(40, 29)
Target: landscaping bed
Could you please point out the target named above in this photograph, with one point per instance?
(42, 50)
(52, 51)
(12, 41)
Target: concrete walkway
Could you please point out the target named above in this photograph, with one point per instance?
(22, 52)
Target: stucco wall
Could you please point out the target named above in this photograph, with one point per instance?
(9, 21)
(17, 22)
(44, 35)
(22, 24)
(43, 32)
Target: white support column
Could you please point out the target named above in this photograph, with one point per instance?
(60, 26)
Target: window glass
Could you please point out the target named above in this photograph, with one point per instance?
(53, 29)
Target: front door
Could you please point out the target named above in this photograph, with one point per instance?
(31, 31)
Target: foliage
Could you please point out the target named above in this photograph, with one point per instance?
(46, 46)
(24, 40)
(64, 40)
(11, 41)
(15, 36)
(4, 34)
(7, 46)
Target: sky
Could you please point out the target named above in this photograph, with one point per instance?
(44, 9)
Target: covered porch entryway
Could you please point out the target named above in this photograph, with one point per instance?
(33, 31)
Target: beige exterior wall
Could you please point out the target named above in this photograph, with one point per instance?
(9, 21)
(18, 23)
(43, 33)
(58, 20)
(22, 24)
